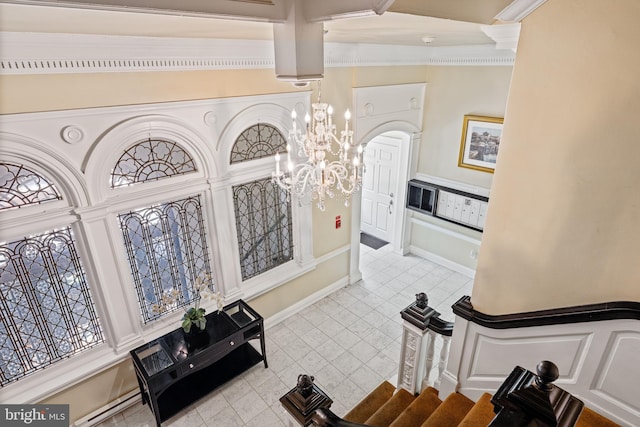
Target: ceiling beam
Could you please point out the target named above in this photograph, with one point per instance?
(249, 10)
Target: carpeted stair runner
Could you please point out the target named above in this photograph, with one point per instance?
(392, 408)
(419, 410)
(371, 403)
(384, 407)
(451, 412)
(481, 414)
(588, 418)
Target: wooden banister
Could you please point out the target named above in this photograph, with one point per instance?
(324, 417)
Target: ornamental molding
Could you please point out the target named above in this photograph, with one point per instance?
(49, 53)
(517, 10)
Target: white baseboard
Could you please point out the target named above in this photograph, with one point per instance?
(306, 302)
(469, 272)
(109, 410)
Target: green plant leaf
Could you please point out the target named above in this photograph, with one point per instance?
(200, 322)
(186, 325)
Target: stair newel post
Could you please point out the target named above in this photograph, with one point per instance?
(301, 402)
(414, 352)
(528, 399)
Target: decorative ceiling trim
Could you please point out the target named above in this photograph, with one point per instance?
(506, 36)
(518, 10)
(41, 53)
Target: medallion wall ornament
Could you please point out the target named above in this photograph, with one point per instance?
(71, 134)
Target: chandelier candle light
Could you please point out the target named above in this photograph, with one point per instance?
(319, 174)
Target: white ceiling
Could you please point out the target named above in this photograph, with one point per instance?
(388, 28)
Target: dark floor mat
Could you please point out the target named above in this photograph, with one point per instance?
(371, 241)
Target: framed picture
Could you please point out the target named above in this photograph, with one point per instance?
(480, 142)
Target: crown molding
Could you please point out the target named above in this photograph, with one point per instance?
(506, 36)
(274, 11)
(518, 10)
(49, 53)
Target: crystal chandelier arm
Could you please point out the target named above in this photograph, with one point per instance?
(328, 164)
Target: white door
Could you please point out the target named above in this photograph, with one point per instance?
(379, 185)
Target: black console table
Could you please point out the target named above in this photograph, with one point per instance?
(177, 369)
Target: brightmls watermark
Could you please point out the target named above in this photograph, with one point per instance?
(34, 415)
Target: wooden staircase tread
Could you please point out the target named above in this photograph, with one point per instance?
(418, 410)
(371, 403)
(481, 414)
(590, 418)
(393, 407)
(386, 407)
(451, 412)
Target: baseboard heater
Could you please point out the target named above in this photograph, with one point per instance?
(109, 410)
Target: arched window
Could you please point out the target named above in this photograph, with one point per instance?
(150, 160)
(258, 141)
(262, 210)
(20, 186)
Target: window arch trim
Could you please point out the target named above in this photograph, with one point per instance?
(155, 126)
(42, 159)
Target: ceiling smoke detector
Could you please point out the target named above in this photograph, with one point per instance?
(428, 40)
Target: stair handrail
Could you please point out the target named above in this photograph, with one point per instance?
(325, 417)
(441, 326)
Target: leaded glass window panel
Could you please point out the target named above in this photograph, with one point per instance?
(47, 311)
(150, 160)
(258, 141)
(263, 224)
(167, 252)
(20, 186)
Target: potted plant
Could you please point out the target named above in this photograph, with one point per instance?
(194, 317)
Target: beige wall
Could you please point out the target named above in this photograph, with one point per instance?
(452, 93)
(562, 227)
(96, 391)
(46, 92)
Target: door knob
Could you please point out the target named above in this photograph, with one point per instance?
(391, 195)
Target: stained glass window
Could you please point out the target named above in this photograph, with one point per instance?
(258, 141)
(263, 224)
(20, 186)
(151, 160)
(167, 252)
(47, 311)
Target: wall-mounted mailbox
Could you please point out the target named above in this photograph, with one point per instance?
(460, 207)
(421, 197)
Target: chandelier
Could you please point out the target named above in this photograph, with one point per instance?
(324, 165)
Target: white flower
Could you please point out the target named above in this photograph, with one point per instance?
(202, 285)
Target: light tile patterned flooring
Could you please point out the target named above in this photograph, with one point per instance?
(349, 341)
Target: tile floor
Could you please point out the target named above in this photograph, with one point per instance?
(355, 347)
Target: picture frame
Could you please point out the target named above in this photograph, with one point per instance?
(480, 142)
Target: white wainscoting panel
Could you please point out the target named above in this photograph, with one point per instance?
(599, 362)
(623, 353)
(492, 357)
